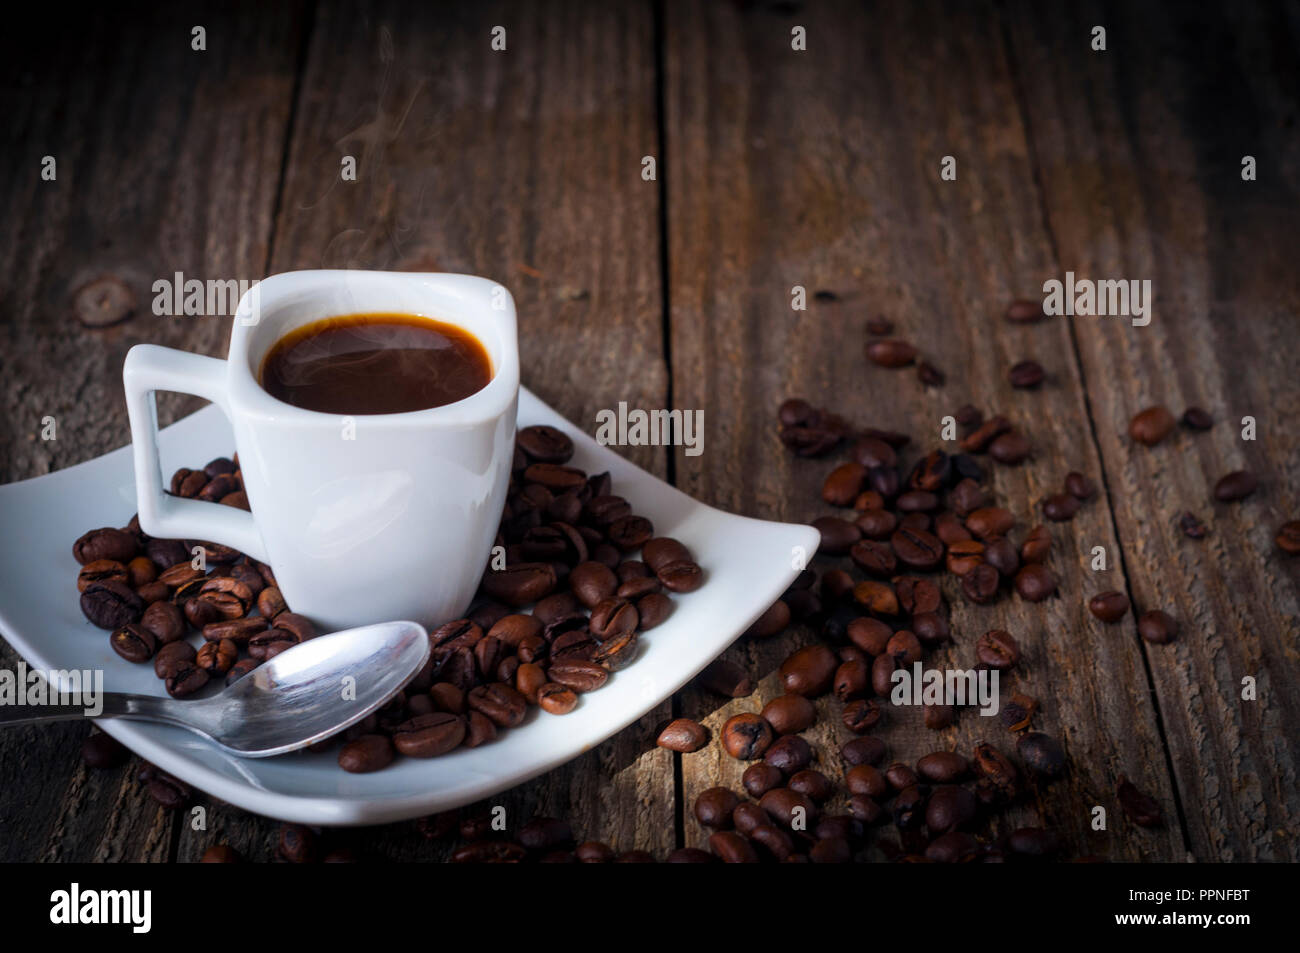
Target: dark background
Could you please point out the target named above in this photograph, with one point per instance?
(775, 169)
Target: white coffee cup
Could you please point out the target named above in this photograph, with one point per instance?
(363, 519)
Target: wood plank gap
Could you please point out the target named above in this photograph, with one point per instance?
(1022, 106)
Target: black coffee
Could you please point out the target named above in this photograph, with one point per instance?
(375, 364)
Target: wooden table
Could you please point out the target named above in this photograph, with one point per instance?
(775, 168)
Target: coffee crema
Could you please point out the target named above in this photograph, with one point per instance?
(375, 364)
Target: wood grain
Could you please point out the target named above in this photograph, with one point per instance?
(167, 160)
(523, 166)
(821, 169)
(1139, 151)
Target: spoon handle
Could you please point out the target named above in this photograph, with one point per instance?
(111, 705)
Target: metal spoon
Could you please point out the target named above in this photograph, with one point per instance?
(295, 699)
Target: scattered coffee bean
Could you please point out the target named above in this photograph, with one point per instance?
(747, 736)
(1151, 426)
(1235, 486)
(1157, 627)
(1109, 606)
(1142, 809)
(891, 352)
(1288, 537)
(1191, 526)
(1026, 374)
(1023, 311)
(1196, 418)
(683, 735)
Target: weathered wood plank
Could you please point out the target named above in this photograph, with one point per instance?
(524, 166)
(167, 160)
(821, 169)
(1139, 150)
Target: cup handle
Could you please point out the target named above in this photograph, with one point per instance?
(149, 368)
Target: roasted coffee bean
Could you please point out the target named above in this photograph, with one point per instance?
(1195, 418)
(978, 440)
(612, 619)
(1024, 311)
(989, 522)
(134, 642)
(428, 736)
(967, 497)
(1235, 486)
(950, 807)
(789, 753)
(991, 764)
(900, 776)
(870, 635)
(980, 584)
(714, 807)
(876, 524)
(837, 535)
(872, 451)
(1035, 582)
(103, 570)
(891, 352)
(545, 444)
(199, 613)
(880, 326)
(1000, 553)
(681, 577)
(111, 604)
(867, 749)
(631, 533)
(917, 548)
(172, 658)
(592, 583)
(1033, 842)
(968, 415)
(1080, 486)
(1010, 448)
(772, 622)
(965, 555)
(238, 631)
(746, 736)
(789, 714)
(1018, 712)
(1037, 545)
(931, 628)
(164, 620)
(771, 841)
(844, 483)
(1109, 606)
(732, 848)
(556, 698)
(761, 777)
(874, 558)
(997, 649)
(954, 847)
(594, 852)
(877, 597)
(520, 584)
(811, 441)
(501, 703)
(950, 529)
(809, 671)
(152, 592)
(170, 793)
(653, 609)
(1026, 374)
(102, 751)
(230, 597)
(942, 767)
(866, 779)
(269, 643)
(186, 681)
(107, 543)
(365, 754)
(1142, 808)
(1192, 527)
(448, 697)
(904, 647)
(936, 717)
(852, 679)
(909, 807)
(1060, 507)
(1288, 537)
(726, 678)
(490, 852)
(1042, 754)
(812, 783)
(217, 658)
(929, 375)
(932, 473)
(884, 481)
(917, 595)
(861, 715)
(555, 477)
(212, 552)
(1157, 627)
(787, 807)
(684, 735)
(883, 667)
(1151, 426)
(578, 675)
(218, 487)
(864, 810)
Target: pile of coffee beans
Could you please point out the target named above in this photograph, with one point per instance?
(567, 548)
